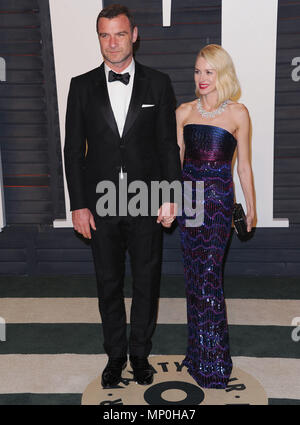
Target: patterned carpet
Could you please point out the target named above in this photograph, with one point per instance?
(54, 347)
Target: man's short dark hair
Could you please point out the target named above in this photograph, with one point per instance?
(113, 11)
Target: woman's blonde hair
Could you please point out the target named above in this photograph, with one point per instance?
(227, 85)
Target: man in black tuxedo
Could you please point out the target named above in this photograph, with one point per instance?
(121, 119)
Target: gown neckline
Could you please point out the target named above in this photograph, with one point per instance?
(214, 126)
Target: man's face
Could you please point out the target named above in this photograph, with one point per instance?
(116, 40)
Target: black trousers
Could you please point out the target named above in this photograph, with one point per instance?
(142, 236)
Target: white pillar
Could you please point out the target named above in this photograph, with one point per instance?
(166, 12)
(76, 50)
(249, 33)
(2, 205)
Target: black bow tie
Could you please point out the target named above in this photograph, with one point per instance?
(124, 78)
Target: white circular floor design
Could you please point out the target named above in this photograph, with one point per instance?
(174, 386)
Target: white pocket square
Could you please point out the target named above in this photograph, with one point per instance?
(147, 106)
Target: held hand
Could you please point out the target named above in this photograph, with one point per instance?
(167, 223)
(82, 220)
(167, 214)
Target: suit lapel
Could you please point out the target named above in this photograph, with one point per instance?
(103, 101)
(140, 85)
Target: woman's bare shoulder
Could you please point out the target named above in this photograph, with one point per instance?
(238, 108)
(240, 119)
(239, 113)
(184, 110)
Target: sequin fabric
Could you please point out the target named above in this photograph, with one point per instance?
(208, 155)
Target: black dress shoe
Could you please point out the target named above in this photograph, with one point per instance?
(142, 370)
(112, 373)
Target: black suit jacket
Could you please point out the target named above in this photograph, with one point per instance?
(94, 151)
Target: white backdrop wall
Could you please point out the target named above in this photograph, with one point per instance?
(76, 50)
(249, 37)
(2, 205)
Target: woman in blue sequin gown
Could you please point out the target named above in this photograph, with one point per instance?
(207, 145)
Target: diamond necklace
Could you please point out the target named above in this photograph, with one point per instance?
(212, 114)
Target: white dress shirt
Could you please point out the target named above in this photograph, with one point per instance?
(119, 96)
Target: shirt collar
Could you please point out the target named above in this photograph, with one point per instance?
(130, 68)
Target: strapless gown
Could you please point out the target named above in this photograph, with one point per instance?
(208, 155)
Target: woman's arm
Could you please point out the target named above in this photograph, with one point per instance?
(181, 113)
(244, 169)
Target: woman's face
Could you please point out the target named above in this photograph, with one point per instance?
(205, 77)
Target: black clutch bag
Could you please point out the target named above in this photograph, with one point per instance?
(239, 221)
